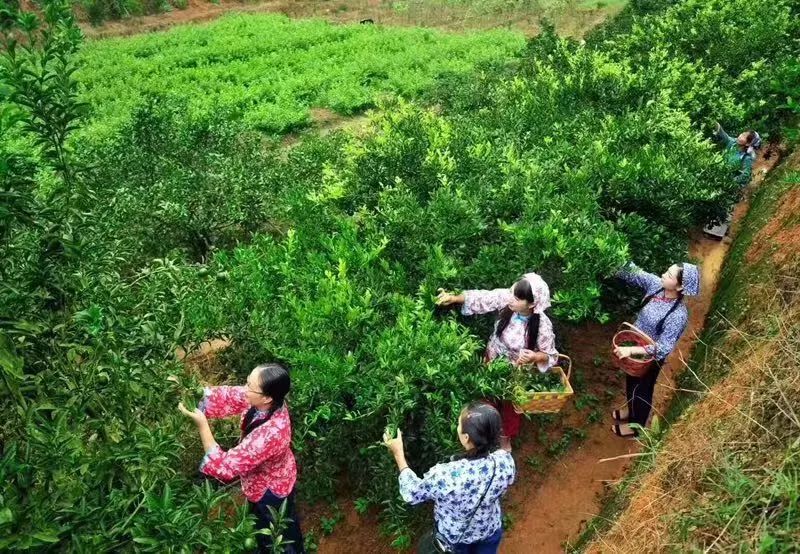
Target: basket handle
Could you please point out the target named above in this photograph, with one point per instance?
(569, 364)
(635, 329)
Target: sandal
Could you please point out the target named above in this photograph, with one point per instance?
(617, 415)
(617, 431)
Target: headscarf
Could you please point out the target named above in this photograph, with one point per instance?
(755, 144)
(541, 292)
(691, 279)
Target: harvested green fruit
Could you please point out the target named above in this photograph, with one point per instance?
(524, 380)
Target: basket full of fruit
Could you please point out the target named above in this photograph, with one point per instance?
(542, 393)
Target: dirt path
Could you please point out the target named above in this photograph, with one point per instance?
(572, 20)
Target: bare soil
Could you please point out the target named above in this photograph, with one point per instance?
(780, 237)
(572, 21)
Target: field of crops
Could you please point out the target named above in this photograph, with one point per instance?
(269, 70)
(179, 223)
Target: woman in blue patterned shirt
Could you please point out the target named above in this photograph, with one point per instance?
(467, 490)
(663, 318)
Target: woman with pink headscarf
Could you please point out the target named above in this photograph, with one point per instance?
(523, 333)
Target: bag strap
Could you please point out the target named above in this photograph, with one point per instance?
(478, 505)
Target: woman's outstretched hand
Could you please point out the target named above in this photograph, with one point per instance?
(196, 415)
(395, 445)
(445, 298)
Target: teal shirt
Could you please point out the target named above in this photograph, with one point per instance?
(741, 162)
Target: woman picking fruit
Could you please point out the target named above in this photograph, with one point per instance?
(740, 152)
(263, 458)
(663, 318)
(466, 490)
(523, 333)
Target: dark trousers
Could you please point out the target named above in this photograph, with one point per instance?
(264, 519)
(488, 545)
(639, 394)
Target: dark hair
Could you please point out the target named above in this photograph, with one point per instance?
(274, 381)
(482, 423)
(647, 299)
(523, 291)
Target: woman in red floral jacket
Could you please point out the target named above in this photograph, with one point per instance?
(263, 459)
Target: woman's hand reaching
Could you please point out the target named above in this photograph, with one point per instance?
(445, 298)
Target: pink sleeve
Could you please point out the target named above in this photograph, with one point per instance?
(485, 301)
(264, 443)
(220, 402)
(546, 342)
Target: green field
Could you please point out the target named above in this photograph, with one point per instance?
(270, 70)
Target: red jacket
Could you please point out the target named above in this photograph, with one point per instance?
(263, 459)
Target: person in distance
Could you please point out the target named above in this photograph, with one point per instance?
(740, 153)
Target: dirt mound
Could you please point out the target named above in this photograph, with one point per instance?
(780, 237)
(693, 445)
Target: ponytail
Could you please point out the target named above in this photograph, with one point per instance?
(483, 424)
(679, 300)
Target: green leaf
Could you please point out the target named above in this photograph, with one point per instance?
(10, 362)
(46, 536)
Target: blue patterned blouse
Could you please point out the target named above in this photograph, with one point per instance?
(655, 310)
(455, 487)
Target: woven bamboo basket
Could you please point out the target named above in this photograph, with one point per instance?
(549, 402)
(635, 367)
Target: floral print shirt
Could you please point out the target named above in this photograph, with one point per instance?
(455, 488)
(263, 459)
(513, 339)
(655, 310)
